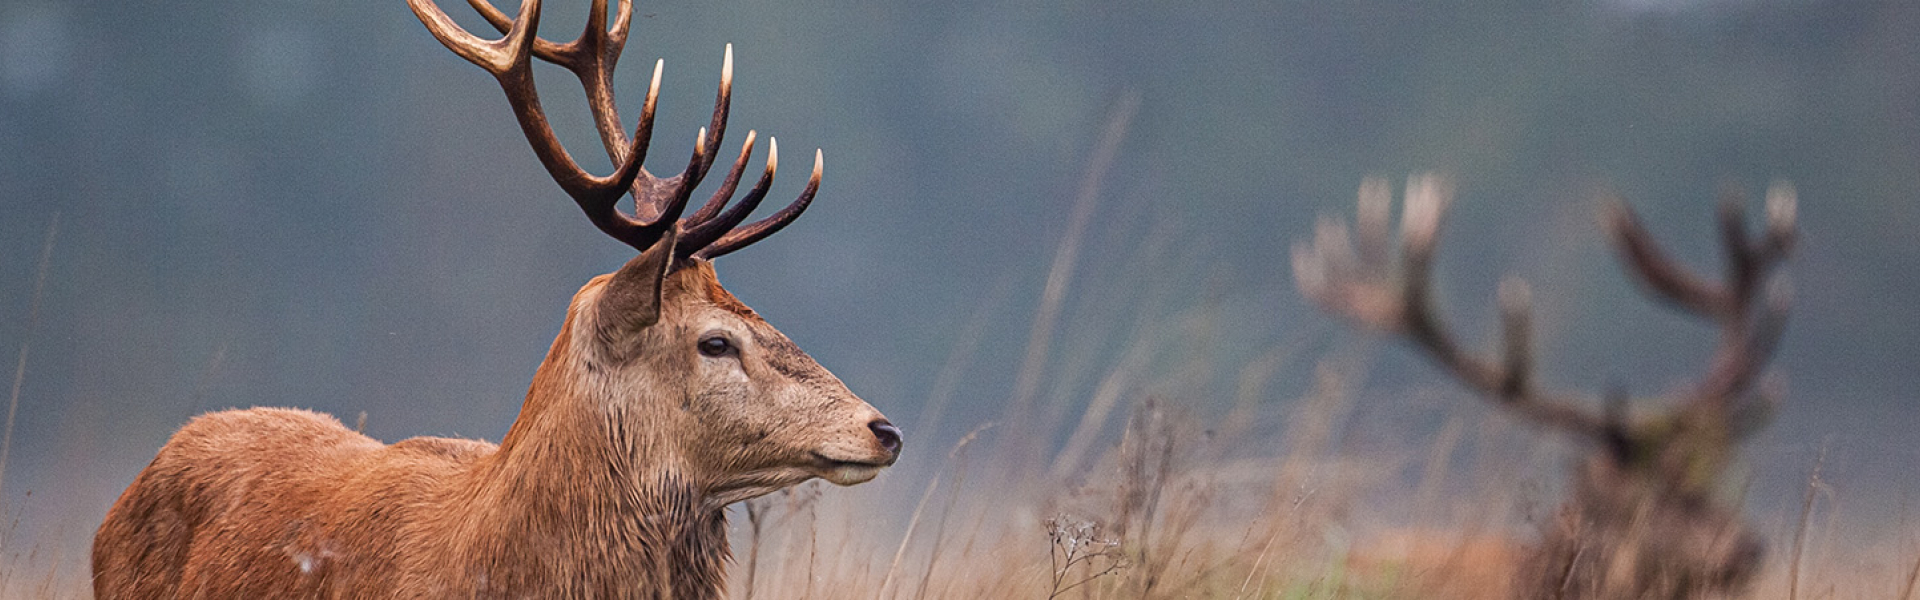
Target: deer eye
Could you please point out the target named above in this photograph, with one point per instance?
(716, 346)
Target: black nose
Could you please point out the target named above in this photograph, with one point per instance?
(888, 435)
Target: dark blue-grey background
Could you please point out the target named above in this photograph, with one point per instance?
(314, 204)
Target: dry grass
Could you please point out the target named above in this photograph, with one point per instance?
(1167, 510)
(1324, 495)
(1315, 496)
(1162, 515)
(1256, 495)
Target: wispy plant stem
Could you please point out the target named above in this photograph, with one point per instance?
(1800, 532)
(20, 367)
(920, 508)
(1066, 256)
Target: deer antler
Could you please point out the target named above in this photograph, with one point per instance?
(592, 57)
(1749, 306)
(1365, 286)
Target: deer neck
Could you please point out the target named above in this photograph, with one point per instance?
(576, 493)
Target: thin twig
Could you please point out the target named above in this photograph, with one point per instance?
(914, 521)
(756, 511)
(960, 358)
(1257, 559)
(1800, 532)
(1566, 576)
(1066, 256)
(1105, 397)
(813, 545)
(1148, 298)
(1075, 542)
(20, 368)
(940, 531)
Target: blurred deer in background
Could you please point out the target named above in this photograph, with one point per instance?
(662, 400)
(1648, 513)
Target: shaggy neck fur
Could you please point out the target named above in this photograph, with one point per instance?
(577, 503)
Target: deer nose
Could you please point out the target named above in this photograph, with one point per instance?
(888, 435)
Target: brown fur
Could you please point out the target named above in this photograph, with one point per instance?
(1650, 524)
(611, 483)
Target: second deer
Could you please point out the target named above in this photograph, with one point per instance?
(1648, 514)
(662, 400)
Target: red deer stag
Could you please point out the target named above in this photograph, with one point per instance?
(662, 400)
(1649, 513)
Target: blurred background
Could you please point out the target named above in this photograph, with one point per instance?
(316, 205)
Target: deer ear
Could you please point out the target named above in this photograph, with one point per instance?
(631, 300)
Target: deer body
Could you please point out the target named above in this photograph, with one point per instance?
(662, 400)
(331, 513)
(596, 490)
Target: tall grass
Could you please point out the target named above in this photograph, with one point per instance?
(1120, 470)
(1328, 492)
(1167, 511)
(20, 367)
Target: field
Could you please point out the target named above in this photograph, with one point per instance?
(1338, 491)
(1158, 488)
(1173, 510)
(1176, 511)
(1052, 244)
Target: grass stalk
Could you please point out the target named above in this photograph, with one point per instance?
(1060, 273)
(20, 367)
(914, 521)
(947, 382)
(1800, 531)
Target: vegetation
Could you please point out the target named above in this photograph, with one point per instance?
(275, 240)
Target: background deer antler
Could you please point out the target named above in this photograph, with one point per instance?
(1642, 519)
(658, 202)
(1364, 284)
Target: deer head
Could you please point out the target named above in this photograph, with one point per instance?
(658, 364)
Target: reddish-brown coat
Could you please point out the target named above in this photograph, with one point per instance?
(611, 483)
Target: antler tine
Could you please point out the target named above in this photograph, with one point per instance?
(1357, 286)
(1762, 300)
(720, 196)
(1373, 220)
(1781, 206)
(709, 223)
(722, 102)
(561, 54)
(737, 213)
(543, 48)
(592, 58)
(1751, 315)
(641, 231)
(743, 236)
(658, 202)
(509, 60)
(1738, 287)
(616, 37)
(658, 189)
(1653, 266)
(1511, 381)
(499, 56)
(1516, 326)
